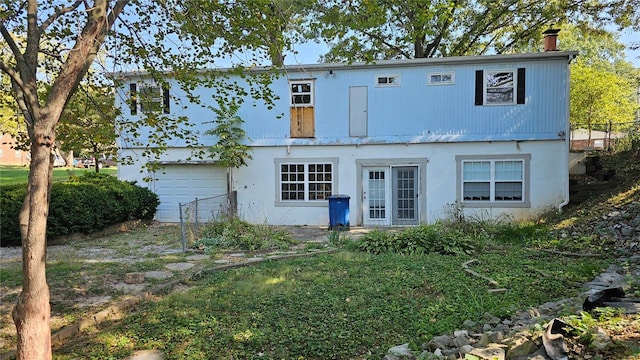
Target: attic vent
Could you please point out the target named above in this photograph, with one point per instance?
(387, 80)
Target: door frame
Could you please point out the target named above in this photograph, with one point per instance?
(421, 163)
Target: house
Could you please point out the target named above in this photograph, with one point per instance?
(9, 155)
(409, 141)
(583, 139)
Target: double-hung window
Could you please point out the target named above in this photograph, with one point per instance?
(496, 180)
(305, 181)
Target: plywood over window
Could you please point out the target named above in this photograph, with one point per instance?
(302, 122)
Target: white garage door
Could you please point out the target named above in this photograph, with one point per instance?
(184, 183)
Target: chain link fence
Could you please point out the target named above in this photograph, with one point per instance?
(194, 214)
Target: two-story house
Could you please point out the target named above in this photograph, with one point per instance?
(403, 139)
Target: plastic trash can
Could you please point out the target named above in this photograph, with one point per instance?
(338, 212)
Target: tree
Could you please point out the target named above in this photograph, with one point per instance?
(68, 36)
(600, 98)
(88, 122)
(270, 26)
(229, 151)
(363, 30)
(603, 83)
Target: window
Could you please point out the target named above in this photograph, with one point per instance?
(493, 180)
(305, 181)
(302, 112)
(18, 154)
(441, 78)
(387, 80)
(301, 93)
(500, 87)
(149, 98)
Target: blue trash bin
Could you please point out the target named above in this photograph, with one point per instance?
(338, 212)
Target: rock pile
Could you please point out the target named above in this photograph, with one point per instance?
(619, 227)
(522, 337)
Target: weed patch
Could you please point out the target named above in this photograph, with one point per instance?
(234, 233)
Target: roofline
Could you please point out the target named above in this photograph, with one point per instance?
(451, 60)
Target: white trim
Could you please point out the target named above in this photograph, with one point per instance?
(391, 80)
(311, 91)
(451, 76)
(526, 181)
(278, 162)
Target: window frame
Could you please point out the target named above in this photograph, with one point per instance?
(311, 92)
(156, 99)
(452, 78)
(306, 162)
(492, 159)
(396, 83)
(513, 87)
(138, 100)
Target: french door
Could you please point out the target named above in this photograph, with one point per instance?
(390, 195)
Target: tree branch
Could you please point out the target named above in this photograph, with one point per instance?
(12, 44)
(388, 44)
(59, 13)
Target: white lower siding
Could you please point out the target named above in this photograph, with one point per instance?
(257, 185)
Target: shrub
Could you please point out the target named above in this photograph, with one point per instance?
(422, 239)
(376, 242)
(83, 204)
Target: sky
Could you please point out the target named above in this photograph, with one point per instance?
(627, 38)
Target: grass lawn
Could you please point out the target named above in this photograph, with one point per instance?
(345, 305)
(15, 174)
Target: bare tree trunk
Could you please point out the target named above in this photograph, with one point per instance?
(32, 312)
(231, 197)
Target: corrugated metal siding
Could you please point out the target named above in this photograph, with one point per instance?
(414, 111)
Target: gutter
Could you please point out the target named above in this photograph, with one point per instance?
(567, 140)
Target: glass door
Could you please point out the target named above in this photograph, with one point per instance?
(405, 195)
(376, 196)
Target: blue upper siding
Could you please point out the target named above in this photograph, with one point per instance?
(413, 111)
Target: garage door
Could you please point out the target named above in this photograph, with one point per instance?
(184, 183)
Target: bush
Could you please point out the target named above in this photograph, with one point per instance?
(83, 204)
(422, 239)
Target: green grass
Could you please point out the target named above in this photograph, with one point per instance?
(14, 174)
(344, 305)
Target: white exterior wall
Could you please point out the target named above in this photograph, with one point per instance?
(257, 185)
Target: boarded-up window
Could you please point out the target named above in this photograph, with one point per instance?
(302, 122)
(302, 111)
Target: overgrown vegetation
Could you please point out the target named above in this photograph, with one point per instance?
(234, 233)
(357, 304)
(345, 305)
(423, 239)
(84, 204)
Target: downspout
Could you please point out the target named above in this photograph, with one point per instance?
(567, 138)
